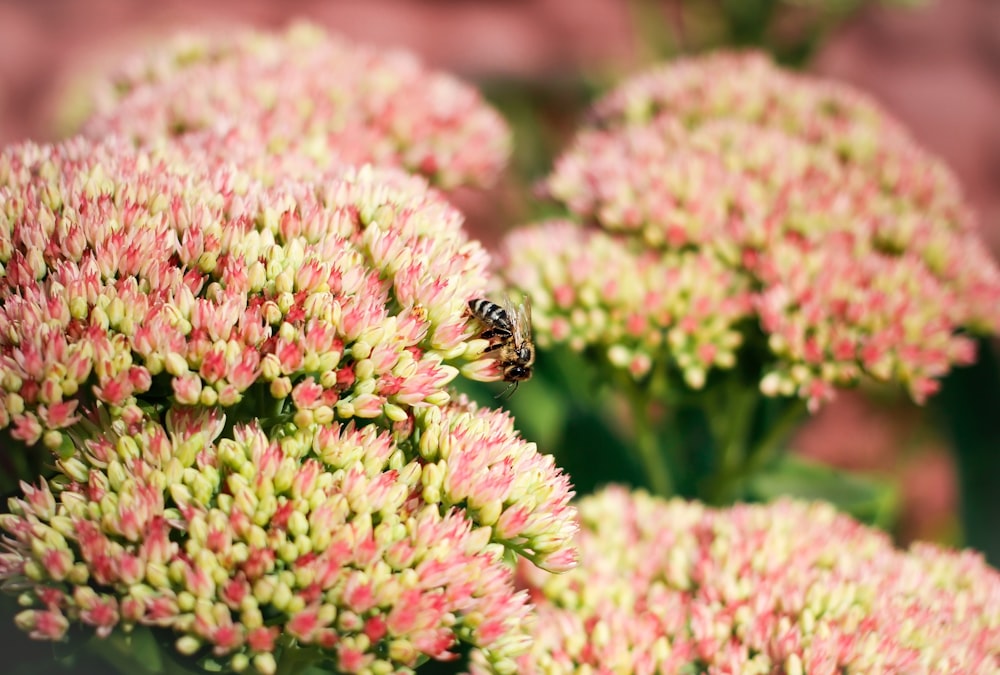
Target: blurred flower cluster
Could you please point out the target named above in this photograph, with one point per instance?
(244, 386)
(793, 587)
(751, 215)
(299, 102)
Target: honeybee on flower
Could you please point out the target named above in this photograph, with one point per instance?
(508, 328)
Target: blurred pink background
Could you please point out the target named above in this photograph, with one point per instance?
(936, 67)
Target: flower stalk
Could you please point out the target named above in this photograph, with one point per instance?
(650, 452)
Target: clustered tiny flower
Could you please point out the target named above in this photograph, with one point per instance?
(127, 277)
(299, 102)
(598, 290)
(808, 198)
(245, 388)
(794, 587)
(342, 537)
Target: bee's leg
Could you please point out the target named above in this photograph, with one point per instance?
(491, 333)
(509, 391)
(493, 347)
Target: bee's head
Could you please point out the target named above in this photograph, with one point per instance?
(517, 373)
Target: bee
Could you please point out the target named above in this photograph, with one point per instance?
(509, 331)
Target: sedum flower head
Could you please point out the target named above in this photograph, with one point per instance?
(859, 255)
(589, 287)
(299, 102)
(381, 547)
(132, 282)
(794, 587)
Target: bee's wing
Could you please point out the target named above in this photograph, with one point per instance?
(513, 317)
(521, 318)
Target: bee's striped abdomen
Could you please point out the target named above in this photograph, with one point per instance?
(491, 314)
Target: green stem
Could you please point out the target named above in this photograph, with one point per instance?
(742, 456)
(729, 410)
(736, 414)
(651, 457)
(648, 450)
(768, 447)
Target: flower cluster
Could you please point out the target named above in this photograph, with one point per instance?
(300, 102)
(128, 277)
(602, 292)
(672, 586)
(245, 387)
(858, 252)
(378, 546)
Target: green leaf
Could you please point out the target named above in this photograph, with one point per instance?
(867, 498)
(967, 407)
(136, 652)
